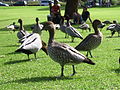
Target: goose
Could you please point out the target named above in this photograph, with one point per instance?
(115, 27)
(22, 32)
(71, 31)
(63, 53)
(63, 26)
(85, 26)
(31, 45)
(93, 40)
(37, 27)
(12, 27)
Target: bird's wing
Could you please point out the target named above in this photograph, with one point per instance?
(32, 43)
(73, 32)
(66, 51)
(87, 42)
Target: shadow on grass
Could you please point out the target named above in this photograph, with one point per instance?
(41, 79)
(117, 49)
(38, 79)
(11, 46)
(112, 37)
(15, 62)
(117, 71)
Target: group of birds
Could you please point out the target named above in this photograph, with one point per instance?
(60, 52)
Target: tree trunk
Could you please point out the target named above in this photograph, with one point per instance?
(71, 7)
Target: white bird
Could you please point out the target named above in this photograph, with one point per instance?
(12, 27)
(31, 45)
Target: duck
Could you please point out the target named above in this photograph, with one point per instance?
(31, 45)
(107, 22)
(63, 26)
(71, 31)
(63, 53)
(37, 27)
(91, 41)
(115, 27)
(85, 26)
(22, 32)
(12, 27)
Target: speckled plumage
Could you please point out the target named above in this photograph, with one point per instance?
(63, 53)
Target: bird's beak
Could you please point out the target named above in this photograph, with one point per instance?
(101, 25)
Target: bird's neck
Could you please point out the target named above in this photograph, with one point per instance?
(51, 35)
(96, 29)
(68, 23)
(21, 26)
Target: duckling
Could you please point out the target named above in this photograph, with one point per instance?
(63, 53)
(12, 27)
(85, 26)
(37, 27)
(22, 32)
(93, 40)
(72, 31)
(31, 45)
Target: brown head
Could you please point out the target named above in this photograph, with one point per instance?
(51, 28)
(48, 25)
(97, 23)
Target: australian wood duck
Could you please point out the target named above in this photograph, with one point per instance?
(71, 31)
(93, 40)
(37, 27)
(85, 26)
(22, 32)
(12, 27)
(63, 53)
(63, 26)
(115, 27)
(31, 45)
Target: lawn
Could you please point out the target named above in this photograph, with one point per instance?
(17, 73)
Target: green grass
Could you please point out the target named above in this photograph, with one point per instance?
(16, 73)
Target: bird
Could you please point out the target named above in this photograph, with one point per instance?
(63, 53)
(31, 45)
(37, 27)
(85, 26)
(71, 31)
(63, 26)
(91, 41)
(115, 27)
(107, 22)
(12, 27)
(21, 32)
